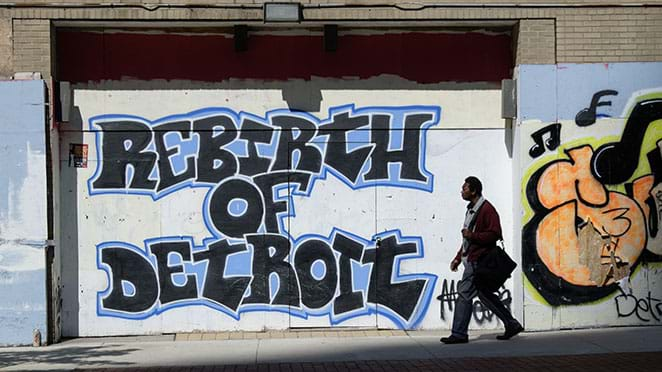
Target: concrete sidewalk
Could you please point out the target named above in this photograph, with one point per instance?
(329, 350)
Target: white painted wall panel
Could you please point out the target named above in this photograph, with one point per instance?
(427, 212)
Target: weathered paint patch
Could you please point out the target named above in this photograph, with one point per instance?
(22, 211)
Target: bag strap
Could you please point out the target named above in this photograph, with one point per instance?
(475, 217)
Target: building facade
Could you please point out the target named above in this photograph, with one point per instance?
(198, 166)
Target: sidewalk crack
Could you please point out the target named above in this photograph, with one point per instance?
(430, 353)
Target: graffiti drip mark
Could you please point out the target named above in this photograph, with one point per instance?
(615, 162)
(587, 116)
(552, 143)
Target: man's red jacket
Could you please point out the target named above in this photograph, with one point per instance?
(486, 232)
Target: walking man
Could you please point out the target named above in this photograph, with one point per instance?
(481, 231)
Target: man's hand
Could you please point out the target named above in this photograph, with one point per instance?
(454, 265)
(467, 234)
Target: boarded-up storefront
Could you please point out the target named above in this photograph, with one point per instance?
(283, 186)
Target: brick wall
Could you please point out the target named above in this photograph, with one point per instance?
(610, 35)
(6, 67)
(32, 45)
(544, 34)
(536, 42)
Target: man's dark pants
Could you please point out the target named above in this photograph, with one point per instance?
(466, 291)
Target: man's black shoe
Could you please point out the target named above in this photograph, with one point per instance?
(511, 332)
(454, 340)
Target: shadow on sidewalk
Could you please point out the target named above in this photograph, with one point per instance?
(81, 356)
(595, 362)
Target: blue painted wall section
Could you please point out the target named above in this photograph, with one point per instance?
(252, 166)
(22, 228)
(559, 92)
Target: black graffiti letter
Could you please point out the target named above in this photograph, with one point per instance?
(129, 266)
(266, 183)
(167, 177)
(169, 291)
(614, 162)
(349, 164)
(587, 116)
(399, 297)
(409, 158)
(447, 297)
(623, 300)
(236, 226)
(211, 149)
(348, 299)
(310, 157)
(316, 293)
(225, 291)
(554, 140)
(116, 155)
(254, 133)
(264, 264)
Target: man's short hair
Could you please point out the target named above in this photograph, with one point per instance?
(474, 185)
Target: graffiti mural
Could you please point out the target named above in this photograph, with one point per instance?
(252, 167)
(595, 207)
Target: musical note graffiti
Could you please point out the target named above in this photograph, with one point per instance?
(552, 131)
(587, 116)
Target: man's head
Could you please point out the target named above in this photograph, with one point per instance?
(472, 188)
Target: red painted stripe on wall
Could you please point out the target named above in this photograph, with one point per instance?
(415, 56)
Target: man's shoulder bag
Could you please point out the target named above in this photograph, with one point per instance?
(493, 268)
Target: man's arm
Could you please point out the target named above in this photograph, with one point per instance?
(457, 260)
